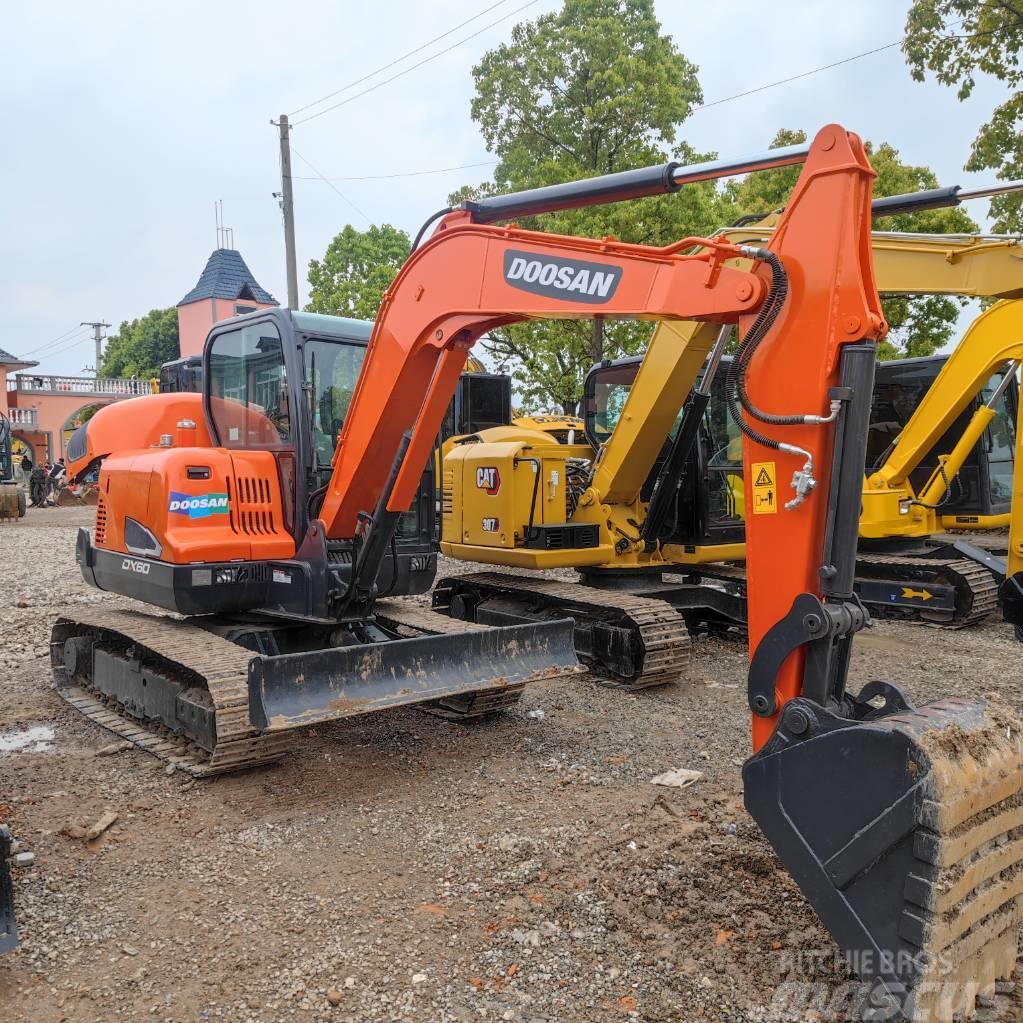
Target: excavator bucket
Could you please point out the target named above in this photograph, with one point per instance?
(294, 690)
(904, 829)
(8, 926)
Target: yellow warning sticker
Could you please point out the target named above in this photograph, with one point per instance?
(765, 491)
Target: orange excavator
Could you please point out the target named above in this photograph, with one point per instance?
(897, 823)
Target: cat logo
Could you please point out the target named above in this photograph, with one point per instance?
(488, 479)
(491, 525)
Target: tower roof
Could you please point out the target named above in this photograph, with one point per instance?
(227, 276)
(13, 362)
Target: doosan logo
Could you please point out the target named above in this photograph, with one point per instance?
(197, 506)
(573, 280)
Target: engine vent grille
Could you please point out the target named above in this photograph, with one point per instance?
(101, 521)
(447, 493)
(250, 506)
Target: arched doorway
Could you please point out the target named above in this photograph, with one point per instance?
(76, 419)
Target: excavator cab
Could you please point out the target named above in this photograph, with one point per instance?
(12, 493)
(710, 509)
(980, 495)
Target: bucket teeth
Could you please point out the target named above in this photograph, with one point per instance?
(916, 864)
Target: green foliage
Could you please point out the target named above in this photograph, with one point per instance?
(141, 346)
(919, 324)
(958, 39)
(591, 89)
(356, 270)
(85, 414)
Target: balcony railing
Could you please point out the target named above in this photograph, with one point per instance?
(117, 387)
(22, 416)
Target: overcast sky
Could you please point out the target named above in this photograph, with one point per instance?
(127, 121)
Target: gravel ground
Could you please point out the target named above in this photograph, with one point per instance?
(400, 867)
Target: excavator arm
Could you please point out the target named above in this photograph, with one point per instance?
(468, 279)
(993, 343)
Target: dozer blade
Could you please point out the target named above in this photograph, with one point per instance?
(295, 690)
(904, 829)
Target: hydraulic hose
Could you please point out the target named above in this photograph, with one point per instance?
(735, 391)
(429, 220)
(776, 296)
(738, 399)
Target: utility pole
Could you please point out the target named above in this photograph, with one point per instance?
(98, 335)
(288, 208)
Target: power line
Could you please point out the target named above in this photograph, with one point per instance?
(490, 163)
(795, 78)
(408, 70)
(56, 340)
(74, 343)
(806, 74)
(397, 60)
(403, 174)
(327, 181)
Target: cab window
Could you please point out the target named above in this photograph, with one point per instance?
(331, 373)
(249, 403)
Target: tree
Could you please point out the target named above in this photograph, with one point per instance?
(356, 270)
(591, 89)
(920, 324)
(141, 346)
(958, 39)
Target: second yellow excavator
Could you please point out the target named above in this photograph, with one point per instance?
(657, 529)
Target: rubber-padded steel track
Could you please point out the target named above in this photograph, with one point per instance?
(217, 664)
(975, 588)
(659, 629)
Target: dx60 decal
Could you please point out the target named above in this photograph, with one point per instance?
(488, 478)
(573, 280)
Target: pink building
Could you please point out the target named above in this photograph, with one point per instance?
(44, 409)
(24, 422)
(225, 288)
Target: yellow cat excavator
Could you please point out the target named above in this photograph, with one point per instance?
(643, 507)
